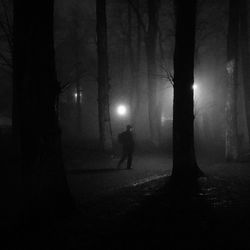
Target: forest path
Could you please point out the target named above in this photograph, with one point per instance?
(91, 174)
(94, 177)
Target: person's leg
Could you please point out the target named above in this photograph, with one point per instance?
(129, 161)
(123, 157)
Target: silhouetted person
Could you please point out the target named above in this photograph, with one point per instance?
(126, 138)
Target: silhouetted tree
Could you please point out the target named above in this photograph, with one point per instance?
(245, 57)
(231, 144)
(103, 77)
(184, 160)
(35, 118)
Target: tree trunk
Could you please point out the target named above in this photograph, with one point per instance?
(103, 77)
(245, 57)
(231, 138)
(35, 94)
(151, 41)
(184, 160)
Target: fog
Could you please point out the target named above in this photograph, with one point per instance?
(75, 45)
(125, 121)
(76, 60)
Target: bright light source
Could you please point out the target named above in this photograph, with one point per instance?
(194, 86)
(196, 91)
(121, 110)
(75, 95)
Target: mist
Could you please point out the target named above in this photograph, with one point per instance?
(125, 121)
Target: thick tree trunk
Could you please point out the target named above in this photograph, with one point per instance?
(184, 160)
(151, 41)
(36, 121)
(103, 77)
(231, 138)
(245, 57)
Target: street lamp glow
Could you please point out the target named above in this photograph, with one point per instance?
(121, 110)
(194, 86)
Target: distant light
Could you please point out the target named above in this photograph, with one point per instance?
(75, 95)
(121, 110)
(196, 91)
(163, 119)
(194, 86)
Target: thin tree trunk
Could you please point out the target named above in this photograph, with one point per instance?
(151, 41)
(245, 57)
(35, 94)
(231, 138)
(103, 77)
(184, 159)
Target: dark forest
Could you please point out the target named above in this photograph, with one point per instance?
(125, 124)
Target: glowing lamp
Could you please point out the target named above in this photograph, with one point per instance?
(121, 110)
(194, 86)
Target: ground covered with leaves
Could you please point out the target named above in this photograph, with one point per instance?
(154, 215)
(148, 214)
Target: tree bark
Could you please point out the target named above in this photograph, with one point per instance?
(231, 138)
(103, 77)
(35, 116)
(245, 58)
(184, 159)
